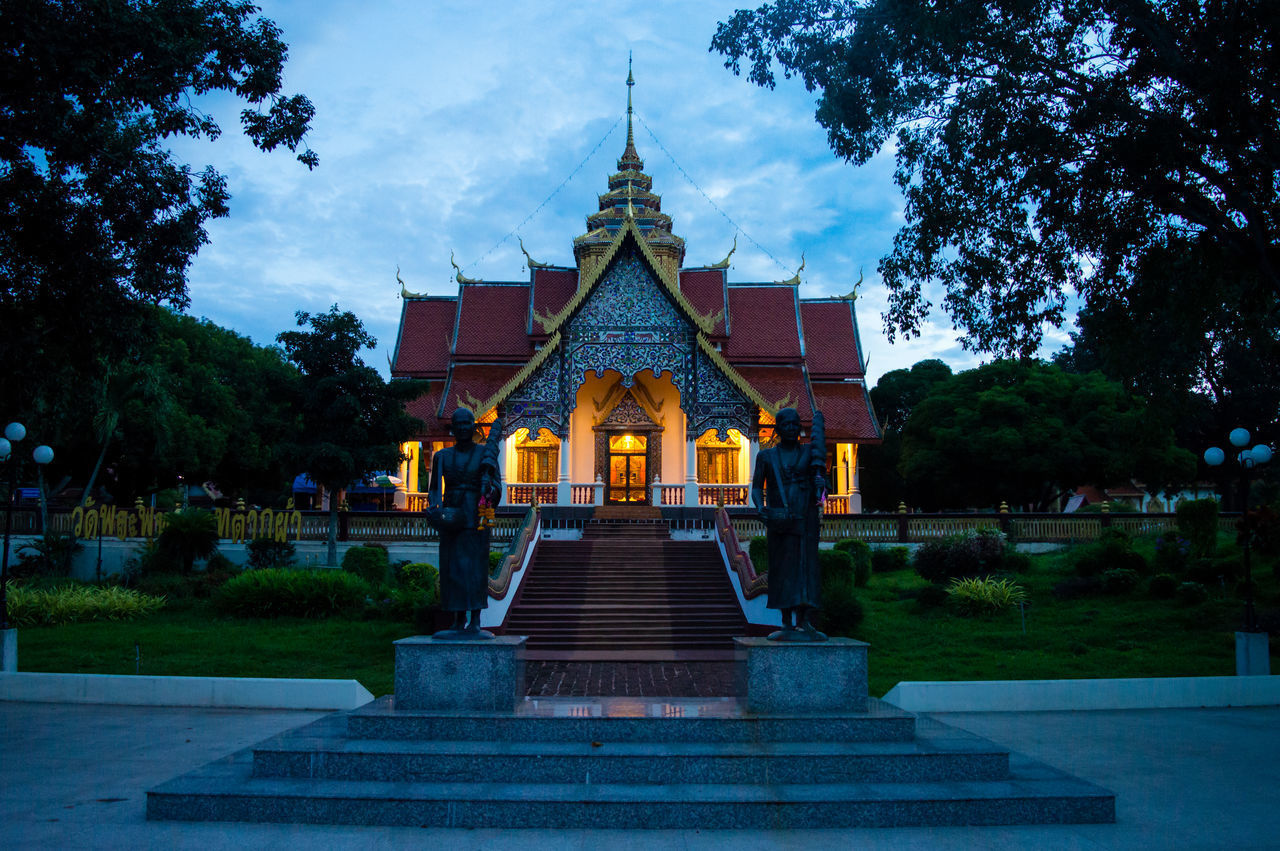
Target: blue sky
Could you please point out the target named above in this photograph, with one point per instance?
(443, 126)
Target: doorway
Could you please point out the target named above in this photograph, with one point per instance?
(627, 483)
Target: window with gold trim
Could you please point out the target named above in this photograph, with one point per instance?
(717, 459)
(537, 459)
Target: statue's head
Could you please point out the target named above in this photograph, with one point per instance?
(787, 424)
(463, 425)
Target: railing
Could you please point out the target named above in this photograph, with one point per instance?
(722, 494)
(526, 535)
(523, 494)
(753, 584)
(836, 505)
(668, 494)
(586, 494)
(410, 526)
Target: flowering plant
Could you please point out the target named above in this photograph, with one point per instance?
(486, 512)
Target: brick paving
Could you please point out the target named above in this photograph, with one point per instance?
(630, 679)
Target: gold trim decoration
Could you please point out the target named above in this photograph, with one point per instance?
(532, 264)
(724, 264)
(733, 375)
(794, 280)
(852, 295)
(404, 292)
(545, 321)
(462, 279)
(521, 376)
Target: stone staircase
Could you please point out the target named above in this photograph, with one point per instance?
(623, 763)
(626, 591)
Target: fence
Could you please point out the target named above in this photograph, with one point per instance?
(409, 526)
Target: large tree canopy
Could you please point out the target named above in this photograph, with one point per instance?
(1027, 432)
(96, 215)
(1052, 146)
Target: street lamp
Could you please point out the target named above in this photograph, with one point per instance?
(1252, 652)
(13, 433)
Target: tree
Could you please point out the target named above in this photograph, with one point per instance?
(1027, 432)
(97, 218)
(1052, 147)
(893, 398)
(352, 422)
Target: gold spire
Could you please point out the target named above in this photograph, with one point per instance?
(630, 158)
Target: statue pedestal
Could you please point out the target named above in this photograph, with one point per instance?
(1253, 654)
(784, 678)
(478, 675)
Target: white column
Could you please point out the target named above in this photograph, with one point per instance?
(401, 498)
(563, 494)
(691, 473)
(753, 449)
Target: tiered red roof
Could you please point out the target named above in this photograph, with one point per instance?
(846, 413)
(551, 291)
(706, 290)
(492, 323)
(426, 335)
(474, 381)
(765, 323)
(782, 383)
(831, 346)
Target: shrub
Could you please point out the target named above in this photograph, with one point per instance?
(985, 596)
(1119, 580)
(758, 549)
(860, 552)
(419, 576)
(1192, 593)
(841, 612)
(148, 559)
(932, 596)
(172, 586)
(495, 560)
(1215, 571)
(1162, 586)
(1075, 587)
(968, 554)
(265, 551)
(1113, 550)
(890, 559)
(75, 603)
(48, 556)
(277, 592)
(368, 561)
(1198, 523)
(189, 534)
(836, 566)
(1172, 553)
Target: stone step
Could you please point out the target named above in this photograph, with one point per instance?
(225, 791)
(562, 719)
(334, 757)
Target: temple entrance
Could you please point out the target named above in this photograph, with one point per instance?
(627, 483)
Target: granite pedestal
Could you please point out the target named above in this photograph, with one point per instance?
(471, 675)
(1253, 654)
(802, 677)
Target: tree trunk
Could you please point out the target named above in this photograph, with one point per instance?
(333, 530)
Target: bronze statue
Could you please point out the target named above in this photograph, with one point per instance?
(787, 488)
(469, 474)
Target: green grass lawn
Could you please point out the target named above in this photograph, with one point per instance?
(1102, 636)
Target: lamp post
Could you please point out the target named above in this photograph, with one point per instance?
(1252, 652)
(13, 433)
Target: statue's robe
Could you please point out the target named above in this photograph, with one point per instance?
(784, 490)
(464, 553)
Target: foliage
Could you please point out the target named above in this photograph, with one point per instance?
(835, 566)
(266, 551)
(841, 612)
(368, 561)
(1119, 580)
(1050, 430)
(984, 596)
(890, 559)
(75, 603)
(1192, 593)
(1198, 523)
(860, 553)
(495, 561)
(966, 554)
(758, 549)
(931, 596)
(1171, 553)
(893, 398)
(1075, 587)
(1113, 550)
(49, 555)
(97, 217)
(1015, 561)
(1162, 586)
(1049, 148)
(352, 422)
(189, 534)
(420, 577)
(1217, 570)
(277, 592)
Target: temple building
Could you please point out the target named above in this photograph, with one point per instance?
(630, 378)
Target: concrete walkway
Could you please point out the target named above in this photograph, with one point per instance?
(75, 776)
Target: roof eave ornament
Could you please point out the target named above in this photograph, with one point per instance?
(404, 291)
(724, 264)
(794, 280)
(462, 279)
(533, 264)
(852, 295)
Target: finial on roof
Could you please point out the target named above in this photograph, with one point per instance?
(404, 291)
(462, 279)
(630, 159)
(794, 280)
(533, 264)
(724, 264)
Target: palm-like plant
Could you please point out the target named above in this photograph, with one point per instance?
(189, 534)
